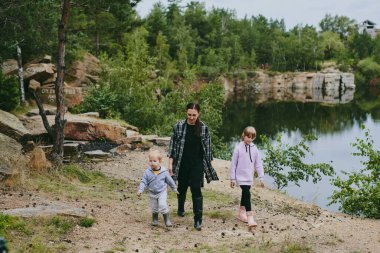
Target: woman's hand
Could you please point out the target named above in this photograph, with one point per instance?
(262, 183)
(170, 167)
(233, 183)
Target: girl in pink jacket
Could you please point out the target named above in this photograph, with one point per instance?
(245, 159)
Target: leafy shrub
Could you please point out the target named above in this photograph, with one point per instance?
(86, 222)
(6, 221)
(284, 162)
(369, 68)
(101, 99)
(359, 194)
(62, 225)
(9, 92)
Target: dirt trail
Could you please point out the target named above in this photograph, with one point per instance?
(123, 225)
(281, 219)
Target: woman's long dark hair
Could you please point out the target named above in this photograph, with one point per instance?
(198, 124)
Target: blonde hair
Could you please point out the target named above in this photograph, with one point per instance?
(249, 131)
(155, 153)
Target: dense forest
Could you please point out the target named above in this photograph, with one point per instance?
(184, 38)
(155, 60)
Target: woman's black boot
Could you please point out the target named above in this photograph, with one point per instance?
(198, 210)
(181, 205)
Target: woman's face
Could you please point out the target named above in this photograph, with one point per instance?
(192, 116)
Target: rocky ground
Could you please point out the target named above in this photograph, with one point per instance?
(123, 220)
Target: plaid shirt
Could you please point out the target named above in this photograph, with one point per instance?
(177, 144)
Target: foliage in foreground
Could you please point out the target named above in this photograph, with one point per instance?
(284, 162)
(9, 92)
(359, 194)
(34, 234)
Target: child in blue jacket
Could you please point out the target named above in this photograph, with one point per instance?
(157, 178)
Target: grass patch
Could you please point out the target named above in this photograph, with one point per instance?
(218, 214)
(296, 248)
(36, 234)
(87, 222)
(72, 181)
(218, 198)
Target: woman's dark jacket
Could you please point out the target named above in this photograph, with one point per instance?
(177, 144)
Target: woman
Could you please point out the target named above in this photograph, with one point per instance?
(190, 159)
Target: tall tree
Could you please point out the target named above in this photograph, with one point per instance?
(59, 85)
(30, 23)
(341, 25)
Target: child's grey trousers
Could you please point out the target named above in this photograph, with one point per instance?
(158, 202)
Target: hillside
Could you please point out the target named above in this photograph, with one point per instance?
(123, 220)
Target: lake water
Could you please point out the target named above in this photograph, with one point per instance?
(337, 125)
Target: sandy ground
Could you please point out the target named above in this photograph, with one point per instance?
(123, 225)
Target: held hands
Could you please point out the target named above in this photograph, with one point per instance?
(262, 185)
(232, 183)
(170, 169)
(139, 194)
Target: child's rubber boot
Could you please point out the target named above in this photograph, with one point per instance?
(167, 220)
(242, 216)
(251, 221)
(155, 219)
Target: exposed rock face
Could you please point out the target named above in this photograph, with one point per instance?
(73, 95)
(85, 72)
(330, 86)
(39, 72)
(11, 126)
(90, 129)
(41, 75)
(12, 161)
(83, 128)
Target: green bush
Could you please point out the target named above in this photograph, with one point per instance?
(284, 162)
(100, 99)
(359, 194)
(86, 222)
(9, 92)
(369, 68)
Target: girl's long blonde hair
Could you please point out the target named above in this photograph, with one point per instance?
(249, 131)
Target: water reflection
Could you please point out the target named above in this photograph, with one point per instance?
(337, 125)
(305, 95)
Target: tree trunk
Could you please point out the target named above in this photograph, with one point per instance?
(97, 44)
(59, 85)
(20, 77)
(42, 112)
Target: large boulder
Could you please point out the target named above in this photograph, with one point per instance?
(73, 95)
(11, 126)
(35, 125)
(84, 72)
(39, 71)
(12, 161)
(82, 128)
(90, 129)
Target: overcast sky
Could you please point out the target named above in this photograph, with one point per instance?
(292, 11)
